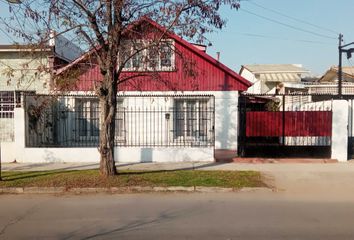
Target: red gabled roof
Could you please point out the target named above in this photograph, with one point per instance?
(200, 53)
(245, 83)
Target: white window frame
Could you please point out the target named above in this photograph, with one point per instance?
(120, 132)
(85, 107)
(7, 104)
(89, 118)
(194, 133)
(145, 67)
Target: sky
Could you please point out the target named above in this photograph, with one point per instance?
(283, 31)
(279, 32)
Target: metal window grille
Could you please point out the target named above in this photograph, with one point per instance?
(87, 117)
(7, 107)
(120, 122)
(73, 121)
(191, 118)
(159, 57)
(7, 104)
(166, 55)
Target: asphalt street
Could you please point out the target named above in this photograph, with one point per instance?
(225, 216)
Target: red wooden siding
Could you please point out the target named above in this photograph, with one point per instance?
(209, 77)
(297, 124)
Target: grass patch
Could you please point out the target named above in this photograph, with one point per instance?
(92, 178)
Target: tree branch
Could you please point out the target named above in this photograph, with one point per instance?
(93, 21)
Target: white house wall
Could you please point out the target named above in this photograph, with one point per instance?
(226, 132)
(256, 83)
(226, 113)
(11, 151)
(248, 75)
(255, 88)
(147, 121)
(6, 128)
(19, 72)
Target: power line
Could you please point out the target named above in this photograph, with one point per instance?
(279, 38)
(293, 18)
(7, 35)
(287, 25)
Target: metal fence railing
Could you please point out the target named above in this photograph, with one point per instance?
(74, 121)
(330, 88)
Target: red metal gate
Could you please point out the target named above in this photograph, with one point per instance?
(289, 124)
(286, 121)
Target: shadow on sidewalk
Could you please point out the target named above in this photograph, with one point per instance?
(24, 172)
(183, 168)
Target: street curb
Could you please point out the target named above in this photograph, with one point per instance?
(41, 190)
(133, 189)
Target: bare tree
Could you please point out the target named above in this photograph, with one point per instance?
(105, 28)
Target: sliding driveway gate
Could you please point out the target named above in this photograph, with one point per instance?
(284, 126)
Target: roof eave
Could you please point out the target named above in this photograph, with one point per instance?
(188, 45)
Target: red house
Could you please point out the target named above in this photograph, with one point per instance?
(180, 105)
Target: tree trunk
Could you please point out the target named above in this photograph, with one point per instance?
(108, 101)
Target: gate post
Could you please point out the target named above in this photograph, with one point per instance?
(283, 121)
(241, 125)
(339, 143)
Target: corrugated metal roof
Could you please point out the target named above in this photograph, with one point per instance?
(279, 77)
(332, 74)
(276, 68)
(347, 70)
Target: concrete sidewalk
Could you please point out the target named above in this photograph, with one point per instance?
(305, 178)
(263, 167)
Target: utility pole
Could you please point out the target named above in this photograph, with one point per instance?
(348, 51)
(340, 66)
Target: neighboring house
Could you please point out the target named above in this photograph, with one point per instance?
(25, 68)
(178, 116)
(328, 83)
(272, 78)
(327, 87)
(304, 115)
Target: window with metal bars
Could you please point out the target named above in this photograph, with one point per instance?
(120, 122)
(139, 56)
(191, 118)
(87, 117)
(7, 104)
(184, 122)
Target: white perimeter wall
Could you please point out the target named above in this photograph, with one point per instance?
(340, 130)
(226, 132)
(7, 129)
(11, 152)
(25, 77)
